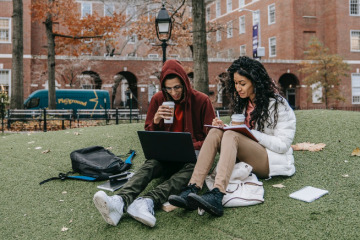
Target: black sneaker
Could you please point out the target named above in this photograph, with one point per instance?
(181, 199)
(211, 201)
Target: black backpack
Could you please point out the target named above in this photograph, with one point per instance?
(95, 164)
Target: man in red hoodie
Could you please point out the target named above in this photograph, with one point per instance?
(193, 110)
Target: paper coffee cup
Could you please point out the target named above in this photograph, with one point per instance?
(237, 119)
(172, 107)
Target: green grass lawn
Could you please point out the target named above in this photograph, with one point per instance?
(30, 211)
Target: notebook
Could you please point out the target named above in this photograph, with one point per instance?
(116, 182)
(243, 129)
(308, 194)
(168, 146)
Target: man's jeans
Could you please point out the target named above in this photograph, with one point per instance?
(177, 176)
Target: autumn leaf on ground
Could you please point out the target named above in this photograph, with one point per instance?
(76, 133)
(279, 185)
(356, 152)
(64, 229)
(312, 147)
(346, 175)
(46, 151)
(37, 148)
(317, 147)
(108, 148)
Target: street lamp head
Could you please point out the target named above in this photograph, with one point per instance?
(163, 24)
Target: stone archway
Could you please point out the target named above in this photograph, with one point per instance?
(125, 81)
(89, 80)
(288, 83)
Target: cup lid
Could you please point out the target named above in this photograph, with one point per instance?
(238, 117)
(169, 103)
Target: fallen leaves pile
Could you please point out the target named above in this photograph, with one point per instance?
(312, 147)
(52, 125)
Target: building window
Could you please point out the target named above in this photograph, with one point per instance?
(174, 55)
(242, 24)
(153, 55)
(355, 40)
(355, 88)
(256, 17)
(208, 14)
(220, 94)
(132, 38)
(218, 36)
(241, 3)
(242, 50)
(271, 9)
(229, 29)
(5, 80)
(316, 92)
(86, 9)
(218, 8)
(152, 10)
(5, 30)
(133, 54)
(229, 6)
(109, 10)
(272, 47)
(87, 86)
(354, 7)
(131, 13)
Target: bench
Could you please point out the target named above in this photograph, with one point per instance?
(109, 114)
(124, 114)
(39, 115)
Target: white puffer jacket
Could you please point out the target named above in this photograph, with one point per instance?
(278, 140)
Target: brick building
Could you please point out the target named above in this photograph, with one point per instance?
(285, 28)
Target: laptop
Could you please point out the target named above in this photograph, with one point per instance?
(168, 146)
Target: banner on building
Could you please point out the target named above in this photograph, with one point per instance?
(255, 42)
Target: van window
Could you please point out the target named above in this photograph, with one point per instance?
(33, 103)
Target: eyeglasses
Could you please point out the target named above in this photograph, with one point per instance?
(176, 88)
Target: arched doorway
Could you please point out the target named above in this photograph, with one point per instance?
(125, 83)
(89, 80)
(288, 83)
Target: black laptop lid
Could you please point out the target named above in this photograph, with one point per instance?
(167, 146)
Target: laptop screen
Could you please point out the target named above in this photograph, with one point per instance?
(167, 146)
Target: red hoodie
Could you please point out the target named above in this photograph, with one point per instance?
(197, 106)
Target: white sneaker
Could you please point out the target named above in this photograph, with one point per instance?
(142, 209)
(111, 208)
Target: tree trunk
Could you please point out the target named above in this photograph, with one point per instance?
(51, 61)
(17, 77)
(201, 74)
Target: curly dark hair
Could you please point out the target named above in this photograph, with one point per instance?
(264, 88)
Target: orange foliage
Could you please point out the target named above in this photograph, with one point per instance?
(77, 28)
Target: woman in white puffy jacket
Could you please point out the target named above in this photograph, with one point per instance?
(271, 121)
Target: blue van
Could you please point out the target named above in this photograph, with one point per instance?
(70, 99)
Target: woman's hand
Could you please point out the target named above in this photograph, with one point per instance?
(217, 122)
(163, 112)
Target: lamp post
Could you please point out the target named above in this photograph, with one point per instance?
(163, 26)
(260, 51)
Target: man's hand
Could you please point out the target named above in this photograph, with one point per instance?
(163, 112)
(217, 122)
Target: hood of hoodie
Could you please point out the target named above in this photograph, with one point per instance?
(175, 67)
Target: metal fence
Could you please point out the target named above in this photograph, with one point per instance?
(43, 116)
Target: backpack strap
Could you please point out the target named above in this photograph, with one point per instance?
(63, 176)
